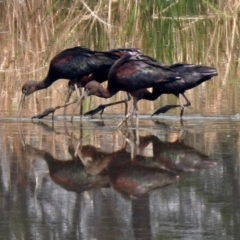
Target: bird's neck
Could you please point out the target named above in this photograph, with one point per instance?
(104, 93)
(45, 83)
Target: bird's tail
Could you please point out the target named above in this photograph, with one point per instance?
(206, 71)
(200, 73)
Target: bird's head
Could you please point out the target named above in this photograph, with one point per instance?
(29, 87)
(92, 88)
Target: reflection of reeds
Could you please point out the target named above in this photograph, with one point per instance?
(196, 32)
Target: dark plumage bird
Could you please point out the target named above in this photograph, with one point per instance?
(99, 75)
(102, 76)
(191, 76)
(85, 66)
(73, 63)
(132, 73)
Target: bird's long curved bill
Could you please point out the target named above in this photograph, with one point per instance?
(20, 107)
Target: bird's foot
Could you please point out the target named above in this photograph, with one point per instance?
(96, 110)
(45, 113)
(162, 110)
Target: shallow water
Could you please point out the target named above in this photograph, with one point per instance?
(179, 182)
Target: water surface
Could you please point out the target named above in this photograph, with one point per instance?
(180, 184)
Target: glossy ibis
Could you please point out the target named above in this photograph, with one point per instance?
(132, 73)
(102, 76)
(98, 72)
(73, 63)
(192, 76)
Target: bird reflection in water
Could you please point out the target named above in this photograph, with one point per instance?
(130, 173)
(70, 174)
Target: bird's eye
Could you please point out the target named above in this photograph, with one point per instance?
(24, 90)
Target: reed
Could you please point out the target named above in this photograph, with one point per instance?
(33, 32)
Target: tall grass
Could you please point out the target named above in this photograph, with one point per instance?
(202, 31)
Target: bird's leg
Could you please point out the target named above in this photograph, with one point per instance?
(187, 104)
(69, 94)
(74, 110)
(103, 106)
(52, 110)
(133, 151)
(135, 112)
(129, 138)
(181, 107)
(164, 109)
(168, 107)
(133, 109)
(181, 134)
(45, 113)
(77, 90)
(81, 93)
(77, 145)
(135, 106)
(125, 119)
(79, 103)
(137, 137)
(126, 103)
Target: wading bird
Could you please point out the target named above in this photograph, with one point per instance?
(73, 63)
(191, 76)
(102, 76)
(132, 73)
(98, 69)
